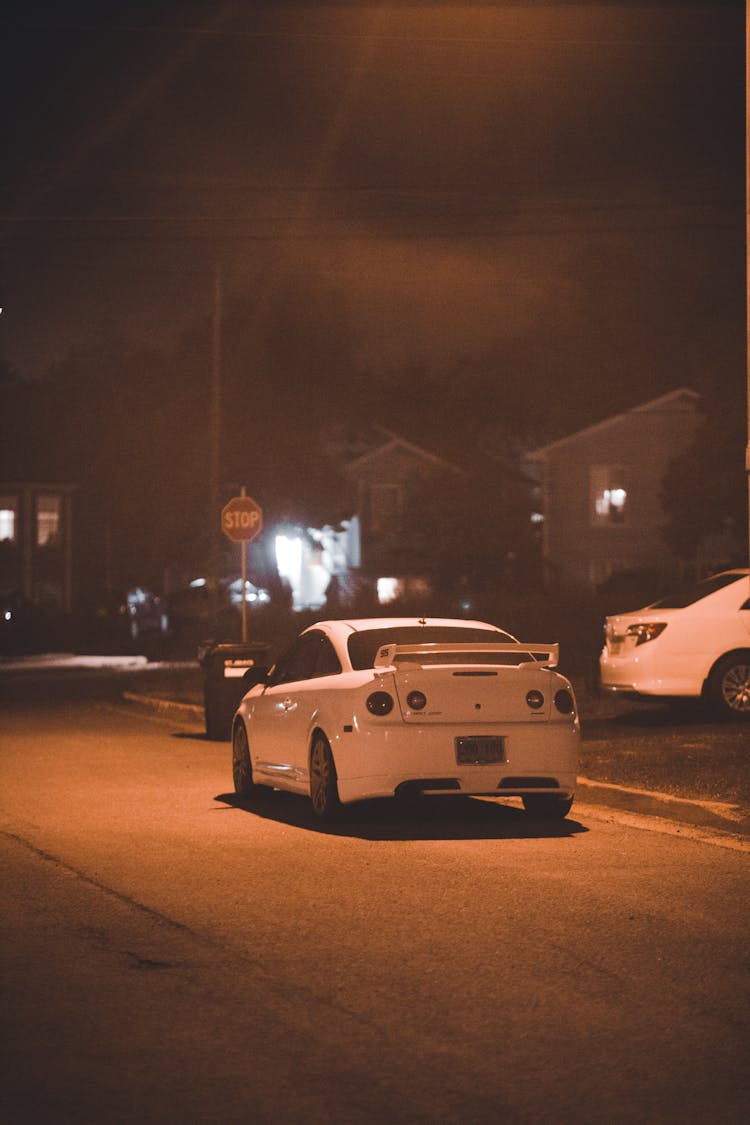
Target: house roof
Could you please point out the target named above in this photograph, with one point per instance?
(391, 442)
(461, 461)
(655, 404)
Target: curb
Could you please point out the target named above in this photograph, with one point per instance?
(170, 708)
(705, 814)
(715, 815)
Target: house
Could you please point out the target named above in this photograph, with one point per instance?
(428, 519)
(378, 548)
(382, 483)
(36, 543)
(601, 490)
(419, 522)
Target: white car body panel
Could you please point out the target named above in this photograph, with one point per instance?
(678, 662)
(375, 754)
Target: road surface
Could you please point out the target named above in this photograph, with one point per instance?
(172, 956)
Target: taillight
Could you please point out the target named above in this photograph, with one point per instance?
(564, 702)
(535, 699)
(379, 703)
(416, 700)
(645, 631)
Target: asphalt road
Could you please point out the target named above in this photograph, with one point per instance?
(172, 956)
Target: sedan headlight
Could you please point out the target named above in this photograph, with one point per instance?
(646, 631)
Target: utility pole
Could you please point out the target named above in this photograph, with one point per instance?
(747, 248)
(747, 253)
(215, 541)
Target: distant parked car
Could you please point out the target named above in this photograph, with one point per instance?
(147, 612)
(255, 596)
(130, 614)
(199, 602)
(382, 707)
(695, 643)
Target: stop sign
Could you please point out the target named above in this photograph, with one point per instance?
(241, 519)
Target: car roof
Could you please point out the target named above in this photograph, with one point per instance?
(661, 606)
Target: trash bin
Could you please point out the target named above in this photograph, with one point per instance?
(229, 671)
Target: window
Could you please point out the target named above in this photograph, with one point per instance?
(311, 655)
(328, 662)
(364, 644)
(388, 590)
(609, 495)
(691, 594)
(8, 518)
(48, 512)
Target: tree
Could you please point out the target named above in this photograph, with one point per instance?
(704, 490)
(473, 533)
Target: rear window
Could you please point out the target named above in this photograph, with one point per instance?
(363, 646)
(688, 595)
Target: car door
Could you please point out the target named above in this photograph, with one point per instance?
(315, 676)
(283, 714)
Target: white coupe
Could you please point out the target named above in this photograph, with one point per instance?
(383, 707)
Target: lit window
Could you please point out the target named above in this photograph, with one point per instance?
(8, 509)
(48, 511)
(609, 494)
(388, 590)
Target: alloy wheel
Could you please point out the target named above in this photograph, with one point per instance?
(735, 688)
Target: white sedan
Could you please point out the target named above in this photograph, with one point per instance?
(383, 707)
(694, 643)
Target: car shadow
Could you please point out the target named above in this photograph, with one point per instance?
(201, 736)
(428, 818)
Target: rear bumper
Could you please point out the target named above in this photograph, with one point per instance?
(640, 677)
(539, 760)
(366, 788)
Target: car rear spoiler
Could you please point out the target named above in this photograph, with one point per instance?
(432, 654)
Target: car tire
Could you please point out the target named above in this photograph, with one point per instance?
(242, 768)
(547, 806)
(324, 790)
(729, 687)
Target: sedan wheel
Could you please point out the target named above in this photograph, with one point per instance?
(547, 806)
(242, 770)
(729, 687)
(324, 790)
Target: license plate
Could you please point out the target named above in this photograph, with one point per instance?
(481, 750)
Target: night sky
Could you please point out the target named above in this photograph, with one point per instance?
(548, 196)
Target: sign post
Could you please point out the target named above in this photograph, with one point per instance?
(242, 521)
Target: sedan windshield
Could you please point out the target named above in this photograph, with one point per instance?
(364, 645)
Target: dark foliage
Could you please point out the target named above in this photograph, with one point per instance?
(704, 490)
